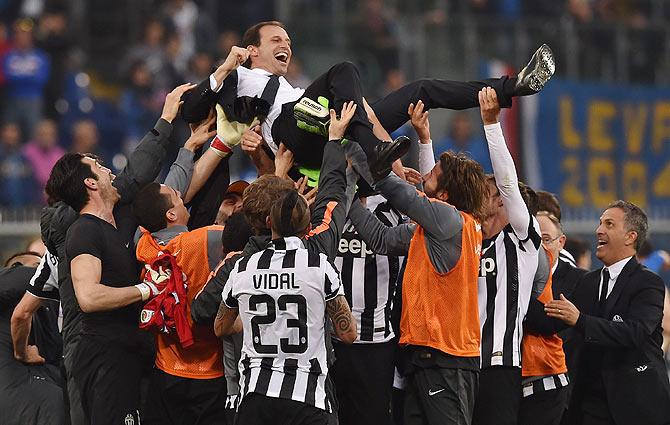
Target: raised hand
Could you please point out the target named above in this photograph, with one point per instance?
(410, 175)
(200, 133)
(338, 126)
(283, 161)
(235, 58)
(173, 101)
(489, 106)
(420, 121)
(252, 140)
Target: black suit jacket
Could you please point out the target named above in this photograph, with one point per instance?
(564, 281)
(626, 337)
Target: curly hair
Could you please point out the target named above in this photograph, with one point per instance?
(259, 197)
(465, 182)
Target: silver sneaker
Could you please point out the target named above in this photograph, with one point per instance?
(535, 75)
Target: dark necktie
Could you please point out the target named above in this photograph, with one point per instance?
(603, 290)
(270, 90)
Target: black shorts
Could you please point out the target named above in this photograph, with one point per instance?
(257, 409)
(176, 400)
(363, 375)
(108, 377)
(440, 396)
(499, 396)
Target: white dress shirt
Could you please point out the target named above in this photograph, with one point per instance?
(251, 82)
(614, 270)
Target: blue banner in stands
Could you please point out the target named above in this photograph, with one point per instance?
(597, 143)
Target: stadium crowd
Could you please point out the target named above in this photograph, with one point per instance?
(340, 286)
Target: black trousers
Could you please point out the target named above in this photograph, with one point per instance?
(544, 407)
(440, 396)
(342, 83)
(173, 400)
(363, 375)
(257, 409)
(108, 377)
(73, 405)
(499, 396)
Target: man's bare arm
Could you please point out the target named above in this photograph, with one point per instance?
(226, 322)
(20, 325)
(92, 295)
(344, 323)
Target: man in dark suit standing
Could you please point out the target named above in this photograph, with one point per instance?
(617, 314)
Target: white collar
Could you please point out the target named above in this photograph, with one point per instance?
(260, 71)
(554, 267)
(616, 268)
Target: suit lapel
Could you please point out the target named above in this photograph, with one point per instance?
(619, 285)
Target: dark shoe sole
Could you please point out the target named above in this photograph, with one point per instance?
(396, 150)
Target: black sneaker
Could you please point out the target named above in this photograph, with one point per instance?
(535, 75)
(386, 153)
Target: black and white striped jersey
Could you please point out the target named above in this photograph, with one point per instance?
(44, 283)
(281, 294)
(506, 274)
(369, 279)
(565, 256)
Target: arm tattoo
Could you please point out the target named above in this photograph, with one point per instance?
(340, 314)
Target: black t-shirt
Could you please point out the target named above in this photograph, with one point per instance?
(116, 251)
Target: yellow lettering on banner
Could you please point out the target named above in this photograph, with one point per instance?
(602, 182)
(599, 115)
(634, 124)
(571, 193)
(661, 186)
(660, 126)
(569, 135)
(635, 183)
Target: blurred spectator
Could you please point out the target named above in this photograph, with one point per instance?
(26, 70)
(376, 34)
(5, 46)
(656, 260)
(228, 39)
(580, 251)
(295, 74)
(152, 52)
(53, 37)
(85, 138)
(200, 67)
(17, 187)
(140, 105)
(183, 14)
(461, 138)
(43, 151)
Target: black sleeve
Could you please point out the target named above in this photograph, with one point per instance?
(330, 206)
(199, 101)
(206, 304)
(644, 314)
(538, 322)
(145, 162)
(205, 204)
(79, 240)
(13, 282)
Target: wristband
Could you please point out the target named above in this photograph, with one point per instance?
(144, 290)
(220, 147)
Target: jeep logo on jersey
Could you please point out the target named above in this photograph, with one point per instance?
(146, 315)
(486, 266)
(353, 247)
